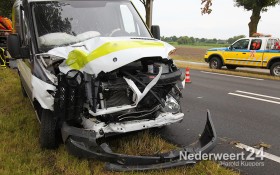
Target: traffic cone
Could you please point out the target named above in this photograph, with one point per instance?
(188, 76)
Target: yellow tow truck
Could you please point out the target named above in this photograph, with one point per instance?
(260, 51)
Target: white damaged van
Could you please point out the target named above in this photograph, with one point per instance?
(93, 70)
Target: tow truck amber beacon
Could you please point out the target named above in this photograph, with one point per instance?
(93, 70)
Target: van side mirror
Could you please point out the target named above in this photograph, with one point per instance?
(15, 49)
(156, 32)
(230, 47)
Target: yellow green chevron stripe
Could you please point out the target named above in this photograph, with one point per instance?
(77, 59)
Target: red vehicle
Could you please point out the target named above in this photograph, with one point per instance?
(5, 30)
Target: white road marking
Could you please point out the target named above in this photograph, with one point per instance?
(254, 150)
(260, 95)
(232, 76)
(255, 98)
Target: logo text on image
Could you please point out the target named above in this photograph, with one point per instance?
(254, 153)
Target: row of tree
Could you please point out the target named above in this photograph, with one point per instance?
(183, 40)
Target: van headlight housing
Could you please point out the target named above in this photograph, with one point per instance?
(171, 105)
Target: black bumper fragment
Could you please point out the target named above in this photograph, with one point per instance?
(82, 143)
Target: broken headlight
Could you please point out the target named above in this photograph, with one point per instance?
(171, 105)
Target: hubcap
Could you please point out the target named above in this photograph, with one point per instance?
(276, 70)
(214, 64)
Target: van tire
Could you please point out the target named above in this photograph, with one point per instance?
(275, 69)
(215, 63)
(48, 130)
(231, 67)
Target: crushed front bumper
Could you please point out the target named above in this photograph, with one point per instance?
(83, 143)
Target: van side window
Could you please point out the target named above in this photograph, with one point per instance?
(25, 36)
(272, 44)
(269, 45)
(24, 29)
(16, 21)
(256, 44)
(241, 44)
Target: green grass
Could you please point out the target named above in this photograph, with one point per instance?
(20, 152)
(188, 58)
(199, 45)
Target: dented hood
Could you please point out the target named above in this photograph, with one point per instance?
(107, 54)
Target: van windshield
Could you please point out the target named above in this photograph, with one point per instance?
(69, 22)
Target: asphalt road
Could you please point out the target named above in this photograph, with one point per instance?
(204, 64)
(243, 110)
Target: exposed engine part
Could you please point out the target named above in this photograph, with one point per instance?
(142, 84)
(88, 80)
(70, 97)
(118, 98)
(112, 90)
(116, 92)
(101, 100)
(154, 68)
(131, 115)
(139, 115)
(92, 91)
(95, 92)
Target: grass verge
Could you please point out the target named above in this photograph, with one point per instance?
(20, 152)
(191, 59)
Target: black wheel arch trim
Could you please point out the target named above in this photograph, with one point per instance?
(272, 60)
(216, 55)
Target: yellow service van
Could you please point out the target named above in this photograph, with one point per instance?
(260, 52)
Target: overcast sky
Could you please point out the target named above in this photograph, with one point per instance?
(183, 18)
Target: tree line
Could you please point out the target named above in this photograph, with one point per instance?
(186, 40)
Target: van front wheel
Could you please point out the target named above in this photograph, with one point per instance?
(48, 130)
(215, 63)
(275, 69)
